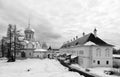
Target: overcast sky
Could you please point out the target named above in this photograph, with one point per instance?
(57, 21)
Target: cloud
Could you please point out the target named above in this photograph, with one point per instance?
(63, 19)
(11, 13)
(46, 33)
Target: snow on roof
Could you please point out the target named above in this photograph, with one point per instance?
(90, 43)
(68, 54)
(26, 41)
(73, 56)
(116, 55)
(40, 50)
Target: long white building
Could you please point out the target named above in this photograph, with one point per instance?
(91, 51)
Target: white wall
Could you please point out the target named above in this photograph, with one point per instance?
(18, 54)
(89, 55)
(103, 57)
(39, 55)
(82, 51)
(29, 53)
(76, 51)
(85, 62)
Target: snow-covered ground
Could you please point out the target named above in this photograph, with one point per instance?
(97, 71)
(35, 68)
(100, 71)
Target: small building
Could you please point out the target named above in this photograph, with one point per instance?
(40, 53)
(52, 53)
(90, 50)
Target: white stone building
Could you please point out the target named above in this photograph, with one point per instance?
(30, 44)
(40, 53)
(90, 50)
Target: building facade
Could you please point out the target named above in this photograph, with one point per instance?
(90, 50)
(30, 45)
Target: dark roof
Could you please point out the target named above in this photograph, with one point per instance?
(85, 39)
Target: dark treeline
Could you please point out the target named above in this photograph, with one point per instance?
(116, 51)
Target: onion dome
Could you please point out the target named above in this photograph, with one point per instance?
(29, 29)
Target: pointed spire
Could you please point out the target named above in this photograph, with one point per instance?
(29, 22)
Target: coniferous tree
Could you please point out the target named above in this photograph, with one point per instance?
(15, 44)
(10, 36)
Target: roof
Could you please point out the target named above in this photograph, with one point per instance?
(86, 38)
(29, 29)
(116, 55)
(40, 50)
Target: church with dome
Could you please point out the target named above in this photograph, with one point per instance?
(31, 46)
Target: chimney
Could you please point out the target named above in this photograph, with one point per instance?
(95, 32)
(83, 34)
(76, 37)
(73, 38)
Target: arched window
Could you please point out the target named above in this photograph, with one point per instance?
(98, 52)
(26, 35)
(81, 61)
(29, 36)
(93, 61)
(98, 62)
(26, 45)
(107, 52)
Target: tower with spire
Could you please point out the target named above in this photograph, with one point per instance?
(29, 32)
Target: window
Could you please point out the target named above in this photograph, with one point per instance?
(107, 52)
(81, 61)
(77, 52)
(93, 61)
(107, 62)
(30, 54)
(98, 62)
(81, 52)
(17, 53)
(29, 36)
(27, 46)
(98, 52)
(73, 52)
(38, 56)
(77, 43)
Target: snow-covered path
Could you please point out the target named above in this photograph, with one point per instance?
(37, 67)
